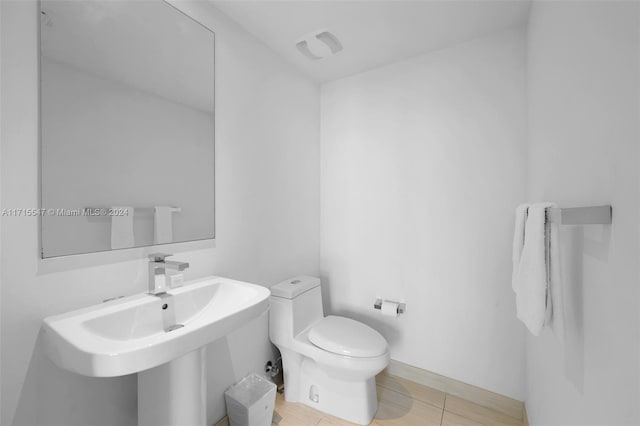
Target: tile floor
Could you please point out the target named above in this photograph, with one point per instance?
(400, 403)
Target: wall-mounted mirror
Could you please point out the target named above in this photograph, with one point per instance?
(127, 126)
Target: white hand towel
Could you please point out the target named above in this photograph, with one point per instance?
(555, 297)
(518, 241)
(163, 224)
(531, 286)
(122, 229)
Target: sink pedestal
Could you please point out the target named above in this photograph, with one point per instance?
(174, 393)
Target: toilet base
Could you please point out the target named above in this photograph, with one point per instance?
(351, 400)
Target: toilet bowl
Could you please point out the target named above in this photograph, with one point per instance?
(329, 363)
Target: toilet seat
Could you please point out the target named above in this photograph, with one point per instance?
(347, 337)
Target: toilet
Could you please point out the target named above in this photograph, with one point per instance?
(329, 363)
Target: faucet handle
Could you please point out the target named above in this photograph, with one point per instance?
(158, 257)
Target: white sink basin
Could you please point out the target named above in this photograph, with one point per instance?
(128, 335)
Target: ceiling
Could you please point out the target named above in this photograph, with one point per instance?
(373, 33)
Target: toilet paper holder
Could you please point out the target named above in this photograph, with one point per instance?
(402, 307)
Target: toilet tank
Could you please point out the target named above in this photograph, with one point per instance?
(296, 303)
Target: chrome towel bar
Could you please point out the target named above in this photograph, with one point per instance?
(592, 215)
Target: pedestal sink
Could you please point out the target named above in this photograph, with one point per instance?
(160, 338)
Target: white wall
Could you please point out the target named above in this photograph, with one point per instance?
(267, 219)
(584, 116)
(422, 164)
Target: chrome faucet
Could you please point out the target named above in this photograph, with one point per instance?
(159, 266)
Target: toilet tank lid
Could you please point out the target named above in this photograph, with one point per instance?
(295, 286)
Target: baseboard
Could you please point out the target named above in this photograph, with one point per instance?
(501, 403)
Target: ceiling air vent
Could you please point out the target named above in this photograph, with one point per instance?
(319, 44)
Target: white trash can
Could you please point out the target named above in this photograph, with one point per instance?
(250, 402)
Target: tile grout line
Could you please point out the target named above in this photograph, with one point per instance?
(483, 423)
(408, 395)
(465, 416)
(475, 394)
(444, 404)
(412, 398)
